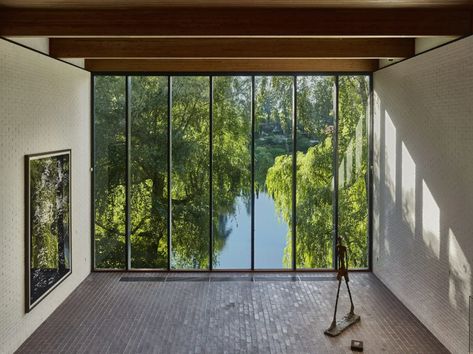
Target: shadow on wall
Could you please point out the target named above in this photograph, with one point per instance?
(423, 216)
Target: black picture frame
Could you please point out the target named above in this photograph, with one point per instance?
(48, 223)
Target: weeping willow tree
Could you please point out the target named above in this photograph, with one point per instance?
(314, 195)
(190, 167)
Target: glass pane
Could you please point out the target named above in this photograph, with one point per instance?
(149, 167)
(232, 172)
(314, 192)
(190, 172)
(109, 171)
(353, 167)
(273, 172)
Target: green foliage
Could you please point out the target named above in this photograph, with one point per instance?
(149, 193)
(231, 152)
(273, 123)
(109, 171)
(190, 172)
(314, 160)
(314, 173)
(353, 154)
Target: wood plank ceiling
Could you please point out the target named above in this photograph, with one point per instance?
(234, 35)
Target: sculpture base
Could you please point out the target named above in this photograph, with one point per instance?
(347, 321)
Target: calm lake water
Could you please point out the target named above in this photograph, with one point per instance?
(270, 236)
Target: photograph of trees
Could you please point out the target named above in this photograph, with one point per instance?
(48, 226)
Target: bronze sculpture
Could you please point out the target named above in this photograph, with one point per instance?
(351, 318)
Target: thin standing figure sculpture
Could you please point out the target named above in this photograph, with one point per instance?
(351, 318)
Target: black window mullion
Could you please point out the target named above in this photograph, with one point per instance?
(294, 170)
(335, 174)
(169, 184)
(211, 234)
(92, 169)
(128, 172)
(252, 172)
(370, 174)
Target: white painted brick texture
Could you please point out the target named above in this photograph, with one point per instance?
(44, 106)
(423, 187)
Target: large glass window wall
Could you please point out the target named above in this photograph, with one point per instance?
(230, 172)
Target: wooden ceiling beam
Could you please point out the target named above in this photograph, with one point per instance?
(230, 65)
(231, 47)
(198, 21)
(124, 4)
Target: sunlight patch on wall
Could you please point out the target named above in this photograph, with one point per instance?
(376, 175)
(430, 220)
(408, 188)
(390, 155)
(460, 273)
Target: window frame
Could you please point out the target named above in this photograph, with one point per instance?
(252, 75)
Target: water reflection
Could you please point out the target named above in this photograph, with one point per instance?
(269, 245)
(271, 231)
(236, 252)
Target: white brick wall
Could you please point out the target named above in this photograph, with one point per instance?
(423, 187)
(44, 106)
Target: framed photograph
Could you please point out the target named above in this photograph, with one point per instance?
(48, 223)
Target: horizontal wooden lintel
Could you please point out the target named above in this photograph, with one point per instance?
(230, 65)
(231, 47)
